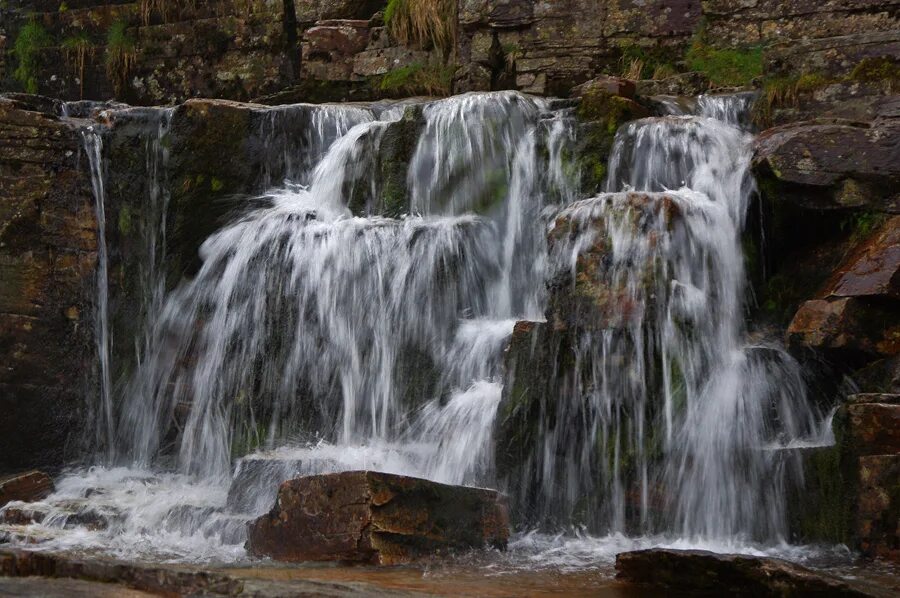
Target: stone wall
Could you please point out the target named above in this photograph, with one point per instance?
(337, 49)
(47, 258)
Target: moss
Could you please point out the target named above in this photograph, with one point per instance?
(736, 67)
(216, 184)
(861, 225)
(31, 40)
(601, 114)
(432, 78)
(877, 70)
(125, 220)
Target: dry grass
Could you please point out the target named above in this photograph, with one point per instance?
(633, 69)
(423, 23)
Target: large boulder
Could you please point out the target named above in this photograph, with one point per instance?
(711, 574)
(379, 518)
(831, 165)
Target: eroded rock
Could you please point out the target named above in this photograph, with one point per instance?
(26, 487)
(379, 518)
(709, 573)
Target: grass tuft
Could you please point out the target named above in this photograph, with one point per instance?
(30, 41)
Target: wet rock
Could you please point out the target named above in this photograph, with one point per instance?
(47, 255)
(825, 166)
(707, 573)
(377, 518)
(873, 424)
(855, 312)
(878, 518)
(26, 487)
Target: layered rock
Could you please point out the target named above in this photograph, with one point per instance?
(849, 492)
(856, 314)
(27, 487)
(379, 518)
(48, 251)
(707, 573)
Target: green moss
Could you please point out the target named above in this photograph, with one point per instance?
(216, 184)
(726, 66)
(875, 70)
(600, 114)
(861, 225)
(30, 41)
(125, 220)
(432, 78)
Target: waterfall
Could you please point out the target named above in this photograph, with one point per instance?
(321, 335)
(93, 147)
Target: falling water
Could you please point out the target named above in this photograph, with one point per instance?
(93, 146)
(313, 339)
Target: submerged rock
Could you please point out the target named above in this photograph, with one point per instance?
(378, 518)
(706, 573)
(26, 487)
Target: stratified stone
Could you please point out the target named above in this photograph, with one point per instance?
(26, 487)
(878, 517)
(378, 518)
(874, 424)
(710, 573)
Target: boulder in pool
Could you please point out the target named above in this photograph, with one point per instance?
(378, 518)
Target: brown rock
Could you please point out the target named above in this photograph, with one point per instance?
(26, 487)
(708, 573)
(874, 426)
(878, 517)
(873, 269)
(846, 326)
(374, 517)
(617, 86)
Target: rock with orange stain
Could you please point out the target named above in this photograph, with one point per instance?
(379, 518)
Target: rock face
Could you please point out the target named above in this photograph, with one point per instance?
(707, 573)
(26, 487)
(241, 50)
(855, 315)
(376, 518)
(48, 251)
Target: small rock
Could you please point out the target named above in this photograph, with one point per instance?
(616, 86)
(707, 573)
(378, 518)
(26, 487)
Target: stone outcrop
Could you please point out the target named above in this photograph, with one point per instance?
(833, 165)
(26, 487)
(378, 518)
(849, 492)
(708, 573)
(48, 252)
(312, 49)
(856, 313)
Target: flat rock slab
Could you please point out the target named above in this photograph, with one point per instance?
(379, 518)
(27, 487)
(707, 573)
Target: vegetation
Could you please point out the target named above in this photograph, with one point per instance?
(433, 78)
(727, 66)
(425, 24)
(76, 49)
(120, 53)
(640, 63)
(32, 39)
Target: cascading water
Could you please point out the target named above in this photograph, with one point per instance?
(311, 340)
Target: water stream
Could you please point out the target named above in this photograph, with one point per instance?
(313, 340)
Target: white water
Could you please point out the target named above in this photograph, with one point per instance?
(318, 341)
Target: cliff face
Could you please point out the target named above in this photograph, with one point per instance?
(48, 250)
(150, 52)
